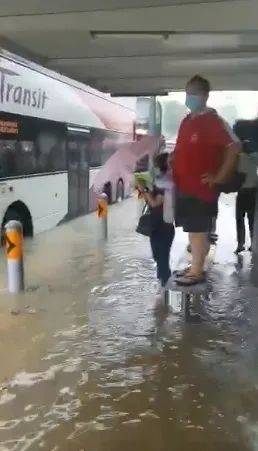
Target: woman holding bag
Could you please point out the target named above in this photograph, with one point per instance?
(160, 203)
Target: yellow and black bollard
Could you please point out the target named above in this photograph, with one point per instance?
(103, 213)
(13, 239)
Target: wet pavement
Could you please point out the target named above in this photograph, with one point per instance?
(90, 362)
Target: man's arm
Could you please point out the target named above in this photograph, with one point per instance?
(229, 164)
(227, 143)
(227, 168)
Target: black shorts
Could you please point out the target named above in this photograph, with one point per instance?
(195, 215)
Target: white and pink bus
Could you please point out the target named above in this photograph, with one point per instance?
(55, 134)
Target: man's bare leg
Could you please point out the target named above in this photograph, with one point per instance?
(200, 248)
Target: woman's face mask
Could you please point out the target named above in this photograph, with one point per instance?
(194, 102)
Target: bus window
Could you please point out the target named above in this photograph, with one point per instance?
(26, 157)
(7, 157)
(80, 144)
(35, 146)
(50, 152)
(17, 158)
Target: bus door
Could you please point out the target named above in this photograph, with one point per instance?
(84, 180)
(73, 160)
(78, 174)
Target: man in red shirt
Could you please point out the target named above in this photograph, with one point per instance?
(206, 155)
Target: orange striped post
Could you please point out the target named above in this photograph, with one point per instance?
(102, 213)
(13, 239)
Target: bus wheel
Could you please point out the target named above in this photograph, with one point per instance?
(108, 191)
(19, 212)
(120, 191)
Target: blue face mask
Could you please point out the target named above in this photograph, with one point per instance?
(193, 102)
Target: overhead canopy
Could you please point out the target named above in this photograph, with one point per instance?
(137, 46)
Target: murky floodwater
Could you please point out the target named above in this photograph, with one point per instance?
(90, 362)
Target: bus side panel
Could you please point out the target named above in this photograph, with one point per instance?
(46, 197)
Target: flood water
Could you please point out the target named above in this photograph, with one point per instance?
(90, 362)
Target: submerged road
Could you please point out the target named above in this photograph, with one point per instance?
(88, 361)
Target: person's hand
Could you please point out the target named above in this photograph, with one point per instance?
(209, 179)
(140, 188)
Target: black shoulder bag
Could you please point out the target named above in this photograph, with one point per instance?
(145, 226)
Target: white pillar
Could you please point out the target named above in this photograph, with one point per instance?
(14, 256)
(103, 213)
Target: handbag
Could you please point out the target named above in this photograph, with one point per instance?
(234, 184)
(145, 226)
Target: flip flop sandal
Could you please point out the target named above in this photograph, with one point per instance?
(190, 280)
(182, 272)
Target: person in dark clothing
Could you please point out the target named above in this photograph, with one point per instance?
(245, 205)
(163, 232)
(246, 197)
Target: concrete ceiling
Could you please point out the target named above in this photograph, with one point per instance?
(137, 46)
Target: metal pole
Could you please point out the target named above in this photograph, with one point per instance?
(254, 272)
(255, 231)
(14, 256)
(103, 213)
(187, 305)
(174, 300)
(152, 126)
(105, 228)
